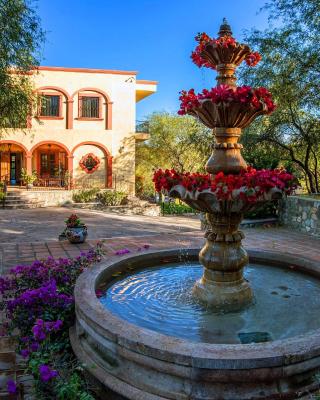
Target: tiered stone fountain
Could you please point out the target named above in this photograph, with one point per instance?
(222, 285)
(162, 331)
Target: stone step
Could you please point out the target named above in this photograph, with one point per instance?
(7, 360)
(13, 194)
(6, 344)
(14, 201)
(13, 197)
(23, 205)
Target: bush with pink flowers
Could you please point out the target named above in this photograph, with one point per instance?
(39, 305)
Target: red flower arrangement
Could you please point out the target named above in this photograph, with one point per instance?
(258, 98)
(226, 41)
(251, 183)
(89, 163)
(73, 221)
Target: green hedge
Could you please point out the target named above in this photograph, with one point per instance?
(105, 197)
(85, 196)
(112, 198)
(176, 208)
(265, 211)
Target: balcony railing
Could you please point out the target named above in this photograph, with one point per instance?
(142, 126)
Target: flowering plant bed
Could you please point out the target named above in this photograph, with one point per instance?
(250, 185)
(39, 305)
(211, 52)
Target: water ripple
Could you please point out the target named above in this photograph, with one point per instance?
(287, 303)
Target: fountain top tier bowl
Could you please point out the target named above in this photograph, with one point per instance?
(140, 363)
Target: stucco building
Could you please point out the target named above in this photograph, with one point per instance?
(83, 131)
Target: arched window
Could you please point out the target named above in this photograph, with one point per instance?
(94, 105)
(50, 104)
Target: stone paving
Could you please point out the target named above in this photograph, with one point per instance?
(43, 224)
(27, 235)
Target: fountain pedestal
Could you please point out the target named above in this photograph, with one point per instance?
(222, 285)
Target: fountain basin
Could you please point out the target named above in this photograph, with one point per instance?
(139, 363)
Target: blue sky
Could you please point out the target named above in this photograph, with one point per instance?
(154, 37)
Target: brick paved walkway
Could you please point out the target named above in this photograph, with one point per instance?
(45, 224)
(275, 239)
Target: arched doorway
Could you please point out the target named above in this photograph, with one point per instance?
(50, 162)
(12, 160)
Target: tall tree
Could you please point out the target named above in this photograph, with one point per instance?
(21, 38)
(291, 70)
(176, 142)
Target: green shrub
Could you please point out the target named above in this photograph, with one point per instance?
(112, 198)
(85, 196)
(2, 196)
(144, 189)
(176, 208)
(28, 179)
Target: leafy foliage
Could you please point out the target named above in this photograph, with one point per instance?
(20, 40)
(105, 197)
(290, 68)
(176, 208)
(85, 196)
(182, 143)
(112, 198)
(28, 179)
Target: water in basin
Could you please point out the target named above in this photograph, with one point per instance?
(287, 303)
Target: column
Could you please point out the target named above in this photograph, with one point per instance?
(109, 172)
(70, 170)
(69, 114)
(29, 164)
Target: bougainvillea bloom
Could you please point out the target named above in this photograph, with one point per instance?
(258, 98)
(226, 41)
(46, 373)
(11, 386)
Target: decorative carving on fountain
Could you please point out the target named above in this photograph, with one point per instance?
(226, 109)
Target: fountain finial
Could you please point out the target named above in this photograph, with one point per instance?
(225, 28)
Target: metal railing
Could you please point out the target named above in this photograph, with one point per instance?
(142, 126)
(50, 183)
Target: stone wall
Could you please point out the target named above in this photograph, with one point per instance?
(301, 213)
(48, 198)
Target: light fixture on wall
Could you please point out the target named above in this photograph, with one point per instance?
(130, 79)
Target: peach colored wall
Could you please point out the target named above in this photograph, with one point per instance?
(98, 177)
(121, 89)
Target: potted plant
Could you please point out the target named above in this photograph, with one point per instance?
(75, 231)
(28, 179)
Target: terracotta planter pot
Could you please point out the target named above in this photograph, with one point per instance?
(77, 234)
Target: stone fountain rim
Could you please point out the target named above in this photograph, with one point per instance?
(94, 317)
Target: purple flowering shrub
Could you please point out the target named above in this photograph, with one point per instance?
(39, 305)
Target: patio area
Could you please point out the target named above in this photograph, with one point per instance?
(33, 234)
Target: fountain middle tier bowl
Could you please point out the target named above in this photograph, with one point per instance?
(208, 202)
(226, 115)
(147, 338)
